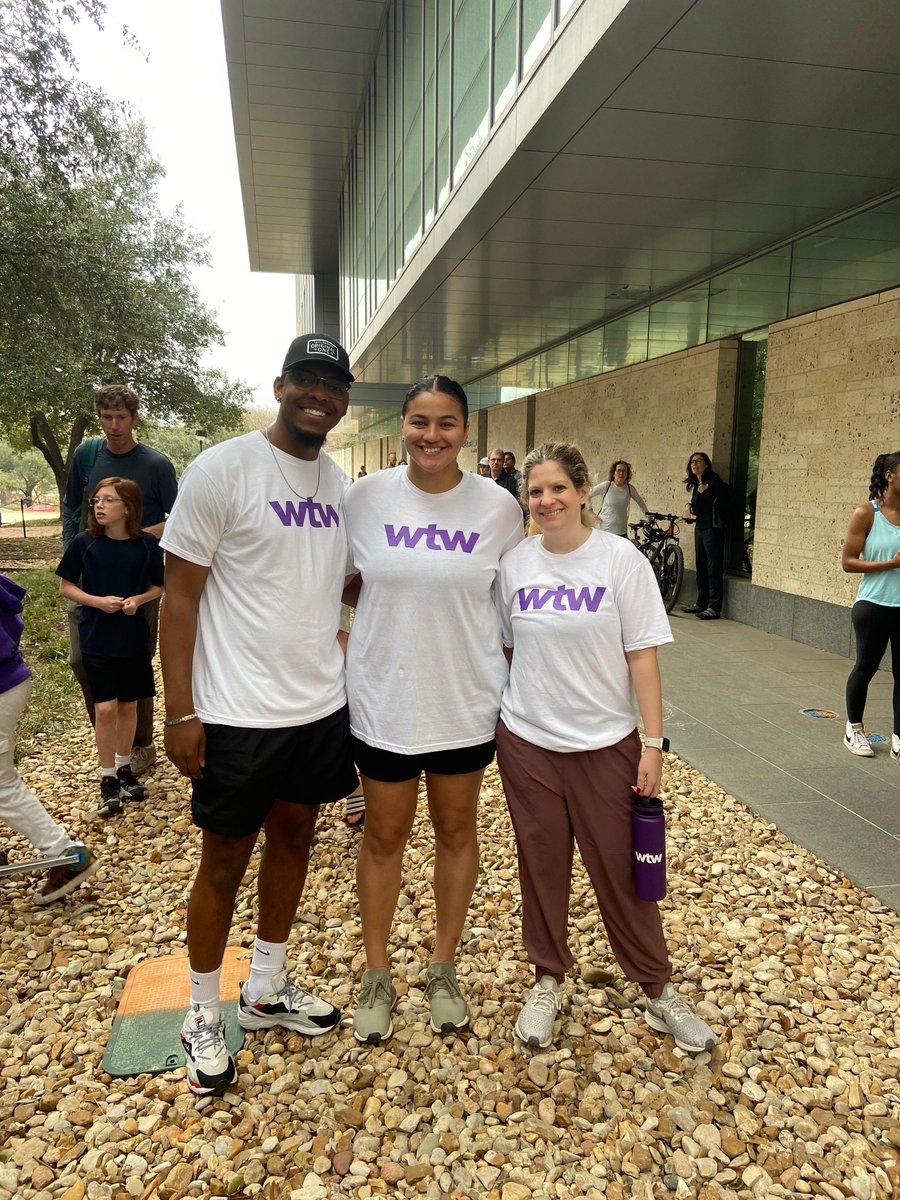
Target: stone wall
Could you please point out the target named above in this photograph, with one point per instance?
(506, 428)
(832, 404)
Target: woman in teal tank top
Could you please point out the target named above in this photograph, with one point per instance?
(872, 549)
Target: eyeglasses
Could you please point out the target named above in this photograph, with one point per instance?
(305, 381)
(102, 501)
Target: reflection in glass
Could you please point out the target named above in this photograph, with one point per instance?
(625, 341)
(428, 113)
(678, 323)
(471, 85)
(536, 28)
(443, 104)
(504, 54)
(751, 295)
(412, 126)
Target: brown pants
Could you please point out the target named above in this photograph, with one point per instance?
(554, 800)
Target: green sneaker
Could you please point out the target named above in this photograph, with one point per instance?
(372, 1019)
(449, 1010)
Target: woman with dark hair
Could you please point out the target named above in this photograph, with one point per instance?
(583, 617)
(710, 503)
(872, 549)
(112, 570)
(425, 669)
(615, 497)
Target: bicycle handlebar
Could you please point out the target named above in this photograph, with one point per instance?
(672, 517)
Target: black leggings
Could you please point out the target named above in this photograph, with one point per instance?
(874, 625)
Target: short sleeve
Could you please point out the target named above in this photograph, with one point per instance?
(71, 565)
(642, 613)
(198, 519)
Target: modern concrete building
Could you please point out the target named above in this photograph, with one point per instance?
(650, 226)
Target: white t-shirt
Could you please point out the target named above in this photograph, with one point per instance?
(615, 501)
(266, 655)
(571, 618)
(425, 664)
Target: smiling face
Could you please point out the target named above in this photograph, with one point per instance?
(434, 432)
(554, 502)
(306, 415)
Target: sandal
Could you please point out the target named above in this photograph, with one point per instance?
(355, 809)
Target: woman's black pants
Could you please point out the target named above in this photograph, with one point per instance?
(709, 547)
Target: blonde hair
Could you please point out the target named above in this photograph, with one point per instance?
(571, 460)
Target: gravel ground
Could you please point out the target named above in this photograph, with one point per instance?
(795, 968)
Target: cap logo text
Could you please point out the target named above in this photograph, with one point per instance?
(318, 346)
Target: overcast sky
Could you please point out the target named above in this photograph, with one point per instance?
(179, 85)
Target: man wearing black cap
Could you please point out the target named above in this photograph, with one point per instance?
(256, 711)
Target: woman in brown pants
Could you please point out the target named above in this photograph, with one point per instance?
(583, 612)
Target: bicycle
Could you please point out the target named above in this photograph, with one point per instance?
(661, 547)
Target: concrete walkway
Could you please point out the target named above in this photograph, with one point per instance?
(733, 697)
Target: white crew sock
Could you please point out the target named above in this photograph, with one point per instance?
(123, 760)
(106, 772)
(205, 987)
(267, 961)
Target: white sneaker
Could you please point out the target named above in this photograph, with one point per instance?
(670, 1013)
(538, 1016)
(895, 748)
(210, 1067)
(857, 742)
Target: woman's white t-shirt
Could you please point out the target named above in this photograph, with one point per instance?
(615, 502)
(425, 663)
(571, 618)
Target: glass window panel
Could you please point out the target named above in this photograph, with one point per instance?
(443, 104)
(429, 112)
(359, 231)
(749, 296)
(678, 323)
(853, 258)
(586, 355)
(625, 341)
(504, 54)
(412, 126)
(382, 276)
(564, 6)
(537, 16)
(397, 159)
(556, 366)
(471, 39)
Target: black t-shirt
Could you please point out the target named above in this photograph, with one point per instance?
(148, 468)
(106, 566)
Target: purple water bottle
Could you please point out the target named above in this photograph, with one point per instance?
(648, 830)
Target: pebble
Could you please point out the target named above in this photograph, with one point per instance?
(797, 972)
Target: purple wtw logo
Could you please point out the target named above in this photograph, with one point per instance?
(317, 516)
(563, 599)
(432, 537)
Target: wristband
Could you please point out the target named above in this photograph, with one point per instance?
(180, 720)
(660, 743)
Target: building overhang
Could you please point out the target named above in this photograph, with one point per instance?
(655, 142)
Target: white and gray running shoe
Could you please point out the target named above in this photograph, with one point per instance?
(539, 1012)
(669, 1013)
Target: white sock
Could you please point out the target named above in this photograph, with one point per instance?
(106, 771)
(123, 760)
(267, 961)
(204, 987)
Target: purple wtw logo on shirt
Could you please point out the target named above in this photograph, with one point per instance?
(561, 598)
(432, 537)
(317, 516)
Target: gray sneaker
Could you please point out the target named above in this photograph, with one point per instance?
(539, 1012)
(372, 1019)
(449, 1010)
(142, 757)
(669, 1013)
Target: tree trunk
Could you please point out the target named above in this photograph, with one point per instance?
(44, 439)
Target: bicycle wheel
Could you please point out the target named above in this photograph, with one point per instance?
(671, 574)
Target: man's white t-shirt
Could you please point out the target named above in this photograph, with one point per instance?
(425, 665)
(571, 618)
(266, 655)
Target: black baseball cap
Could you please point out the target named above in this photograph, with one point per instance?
(316, 347)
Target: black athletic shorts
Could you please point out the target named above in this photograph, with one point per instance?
(388, 767)
(124, 679)
(247, 770)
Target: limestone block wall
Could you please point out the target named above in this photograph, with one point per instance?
(832, 404)
(654, 415)
(506, 428)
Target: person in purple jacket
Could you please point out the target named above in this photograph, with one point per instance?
(19, 807)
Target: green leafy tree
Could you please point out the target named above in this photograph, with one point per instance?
(22, 474)
(95, 282)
